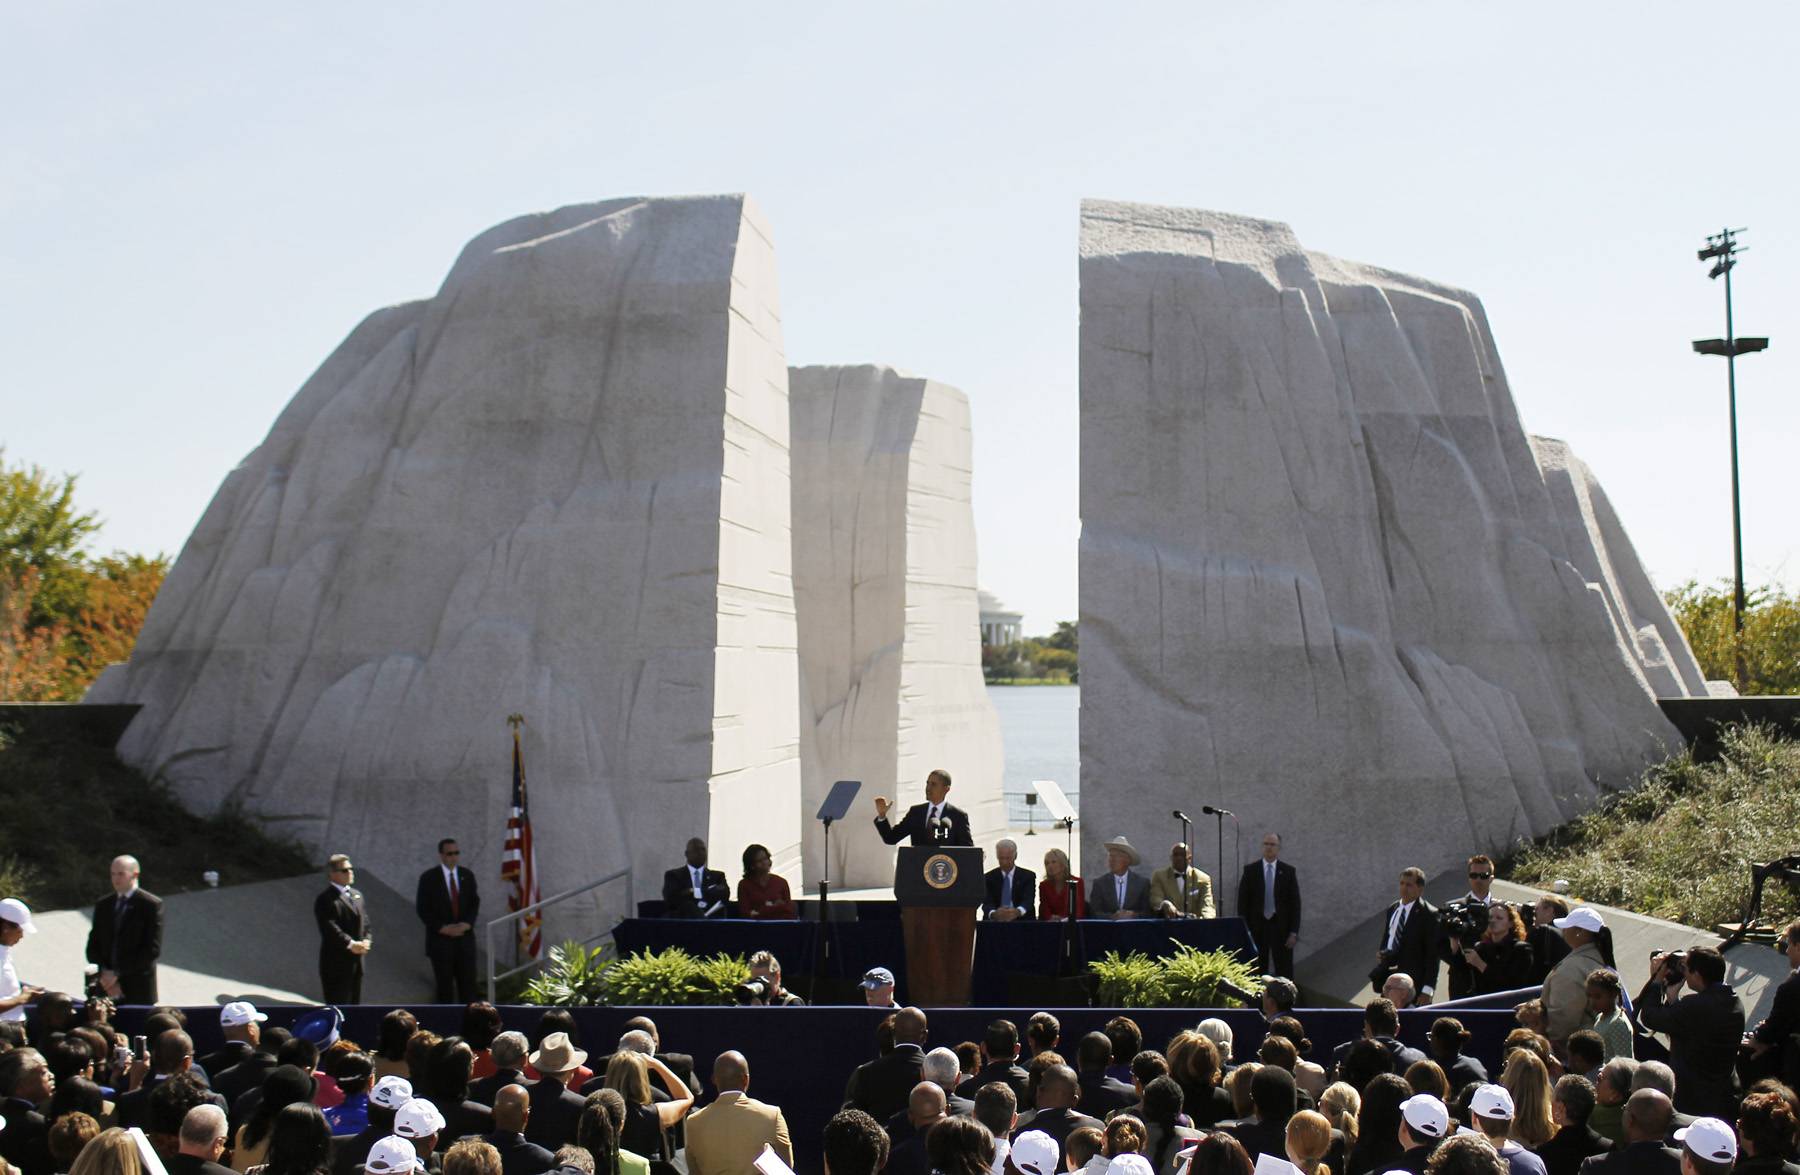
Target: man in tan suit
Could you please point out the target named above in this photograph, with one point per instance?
(1167, 896)
(726, 1137)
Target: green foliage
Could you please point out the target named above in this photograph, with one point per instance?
(18, 878)
(71, 806)
(719, 974)
(1187, 979)
(1769, 644)
(1680, 845)
(41, 529)
(1035, 659)
(575, 976)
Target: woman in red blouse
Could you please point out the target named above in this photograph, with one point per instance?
(1053, 891)
(762, 894)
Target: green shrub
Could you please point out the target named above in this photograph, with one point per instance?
(575, 976)
(1193, 975)
(718, 975)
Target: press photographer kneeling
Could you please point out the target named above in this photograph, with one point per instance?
(1704, 1028)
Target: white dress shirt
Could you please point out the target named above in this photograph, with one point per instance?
(10, 985)
(1395, 923)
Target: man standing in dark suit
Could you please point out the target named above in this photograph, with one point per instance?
(1409, 937)
(935, 822)
(343, 933)
(448, 903)
(127, 936)
(1772, 1048)
(693, 890)
(881, 1087)
(1011, 891)
(1269, 900)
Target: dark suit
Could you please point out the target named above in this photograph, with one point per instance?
(1006, 1072)
(129, 947)
(452, 959)
(215, 1063)
(343, 919)
(881, 1087)
(1704, 1029)
(518, 1154)
(1781, 1032)
(1024, 891)
(1103, 895)
(1260, 1137)
(1637, 1158)
(913, 825)
(349, 1153)
(1059, 1123)
(1273, 955)
(489, 1087)
(241, 1078)
(25, 1143)
(555, 1113)
(133, 1108)
(179, 1164)
(678, 893)
(1101, 1095)
(1415, 953)
(1563, 1154)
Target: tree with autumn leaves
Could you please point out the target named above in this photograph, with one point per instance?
(65, 614)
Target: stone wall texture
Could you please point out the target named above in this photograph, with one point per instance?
(1327, 580)
(558, 487)
(884, 585)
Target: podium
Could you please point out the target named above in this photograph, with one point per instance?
(939, 889)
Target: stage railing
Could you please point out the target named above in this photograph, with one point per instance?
(513, 917)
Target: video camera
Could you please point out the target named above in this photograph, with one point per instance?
(755, 991)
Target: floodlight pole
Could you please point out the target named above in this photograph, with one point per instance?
(1737, 525)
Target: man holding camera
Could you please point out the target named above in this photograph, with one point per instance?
(1704, 1028)
(763, 989)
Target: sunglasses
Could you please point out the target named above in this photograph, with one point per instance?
(454, 853)
(1480, 876)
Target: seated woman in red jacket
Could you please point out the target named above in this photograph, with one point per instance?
(761, 894)
(1053, 891)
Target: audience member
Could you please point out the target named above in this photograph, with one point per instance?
(1766, 1129)
(692, 890)
(1377, 1147)
(1122, 892)
(760, 892)
(572, 1160)
(419, 1122)
(1381, 1024)
(1308, 1142)
(1193, 1063)
(507, 1055)
(1165, 1133)
(1575, 1141)
(563, 1021)
(76, 1095)
(1011, 889)
(597, 1133)
(1083, 1151)
(925, 1108)
(393, 1156)
(1000, 1060)
(1341, 1104)
(1057, 1095)
(1565, 990)
(1604, 1016)
(1641, 1150)
(351, 1116)
(647, 1121)
(854, 1144)
(1308, 1075)
(943, 1070)
(1220, 1154)
(481, 1023)
(472, 1156)
(446, 1086)
(1468, 1154)
(997, 1108)
(881, 1087)
(201, 1142)
(1708, 1147)
(1123, 1135)
(1269, 900)
(1409, 938)
(1237, 1084)
(555, 1109)
(727, 1135)
(1491, 1113)
(1100, 1094)
(960, 1146)
(1610, 1092)
(1427, 1077)
(1527, 1084)
(1399, 990)
(968, 1060)
(518, 1154)
(1366, 1060)
(1060, 890)
(1127, 1041)
(1181, 890)
(1586, 1052)
(299, 1142)
(111, 1152)
(1042, 1032)
(385, 1100)
(1424, 1123)
(1272, 1104)
(71, 1132)
(1219, 1032)
(397, 1029)
(1705, 1030)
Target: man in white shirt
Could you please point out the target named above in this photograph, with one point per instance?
(15, 924)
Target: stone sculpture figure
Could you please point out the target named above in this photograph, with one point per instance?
(1327, 581)
(885, 589)
(558, 487)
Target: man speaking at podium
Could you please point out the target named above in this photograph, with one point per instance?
(934, 822)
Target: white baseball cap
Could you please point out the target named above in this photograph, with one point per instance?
(18, 913)
(1131, 1164)
(390, 1093)
(1581, 918)
(390, 1155)
(1426, 1116)
(1036, 1153)
(1709, 1139)
(1492, 1101)
(418, 1118)
(239, 1013)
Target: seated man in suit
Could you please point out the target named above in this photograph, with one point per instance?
(1119, 893)
(935, 822)
(1181, 891)
(693, 890)
(1409, 938)
(518, 1154)
(1011, 891)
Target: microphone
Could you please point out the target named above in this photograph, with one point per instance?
(1181, 816)
(1209, 810)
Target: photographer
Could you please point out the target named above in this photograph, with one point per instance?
(1499, 960)
(1704, 1028)
(1463, 921)
(763, 988)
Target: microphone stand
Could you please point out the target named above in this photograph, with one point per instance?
(1072, 888)
(1187, 838)
(1218, 815)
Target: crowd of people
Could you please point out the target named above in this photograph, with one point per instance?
(489, 1101)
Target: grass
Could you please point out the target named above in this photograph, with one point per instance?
(1680, 846)
(71, 807)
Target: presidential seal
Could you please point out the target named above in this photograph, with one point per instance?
(940, 871)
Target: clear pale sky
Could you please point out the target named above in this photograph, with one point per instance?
(198, 201)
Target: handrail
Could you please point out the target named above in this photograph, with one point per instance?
(493, 979)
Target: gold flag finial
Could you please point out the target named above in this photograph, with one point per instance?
(515, 720)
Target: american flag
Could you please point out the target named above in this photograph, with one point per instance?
(518, 865)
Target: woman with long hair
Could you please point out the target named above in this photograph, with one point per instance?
(1164, 1135)
(284, 1086)
(299, 1142)
(960, 1146)
(597, 1132)
(1500, 958)
(397, 1027)
(1124, 1135)
(647, 1121)
(1220, 1154)
(1528, 1081)
(1059, 889)
(111, 1152)
(1377, 1146)
(1308, 1141)
(481, 1023)
(1340, 1103)
(1194, 1064)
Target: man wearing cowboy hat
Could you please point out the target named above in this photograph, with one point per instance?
(1119, 893)
(555, 1108)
